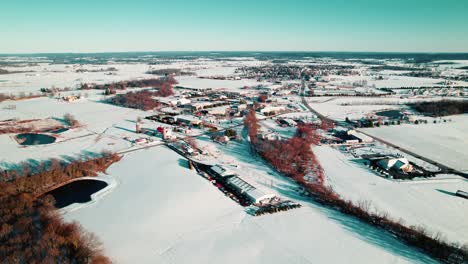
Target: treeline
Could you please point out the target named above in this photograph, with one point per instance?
(441, 108)
(3, 71)
(36, 179)
(20, 96)
(169, 72)
(109, 69)
(142, 100)
(31, 230)
(122, 85)
(292, 158)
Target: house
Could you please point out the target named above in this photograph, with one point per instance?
(398, 164)
(270, 136)
(288, 122)
(174, 101)
(188, 120)
(171, 111)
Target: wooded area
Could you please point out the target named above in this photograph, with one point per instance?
(441, 108)
(31, 230)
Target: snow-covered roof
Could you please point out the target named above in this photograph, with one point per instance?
(223, 172)
(257, 196)
(240, 184)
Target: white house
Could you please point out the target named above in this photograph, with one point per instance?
(401, 164)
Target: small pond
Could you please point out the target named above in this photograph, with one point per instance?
(27, 139)
(79, 191)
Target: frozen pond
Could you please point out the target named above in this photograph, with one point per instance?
(27, 139)
(79, 191)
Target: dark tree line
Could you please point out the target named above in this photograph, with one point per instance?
(441, 108)
(169, 72)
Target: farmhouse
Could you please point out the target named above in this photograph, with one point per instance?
(398, 164)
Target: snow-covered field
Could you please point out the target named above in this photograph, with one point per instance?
(104, 127)
(446, 143)
(156, 210)
(161, 212)
(338, 108)
(390, 81)
(46, 75)
(427, 203)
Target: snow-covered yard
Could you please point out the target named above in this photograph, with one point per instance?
(446, 143)
(428, 203)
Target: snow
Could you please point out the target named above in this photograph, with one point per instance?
(156, 210)
(104, 128)
(443, 142)
(161, 212)
(338, 108)
(428, 203)
(390, 81)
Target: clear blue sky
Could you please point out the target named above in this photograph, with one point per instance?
(28, 26)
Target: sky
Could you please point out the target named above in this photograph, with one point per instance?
(41, 26)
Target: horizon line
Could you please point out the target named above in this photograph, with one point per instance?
(239, 51)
